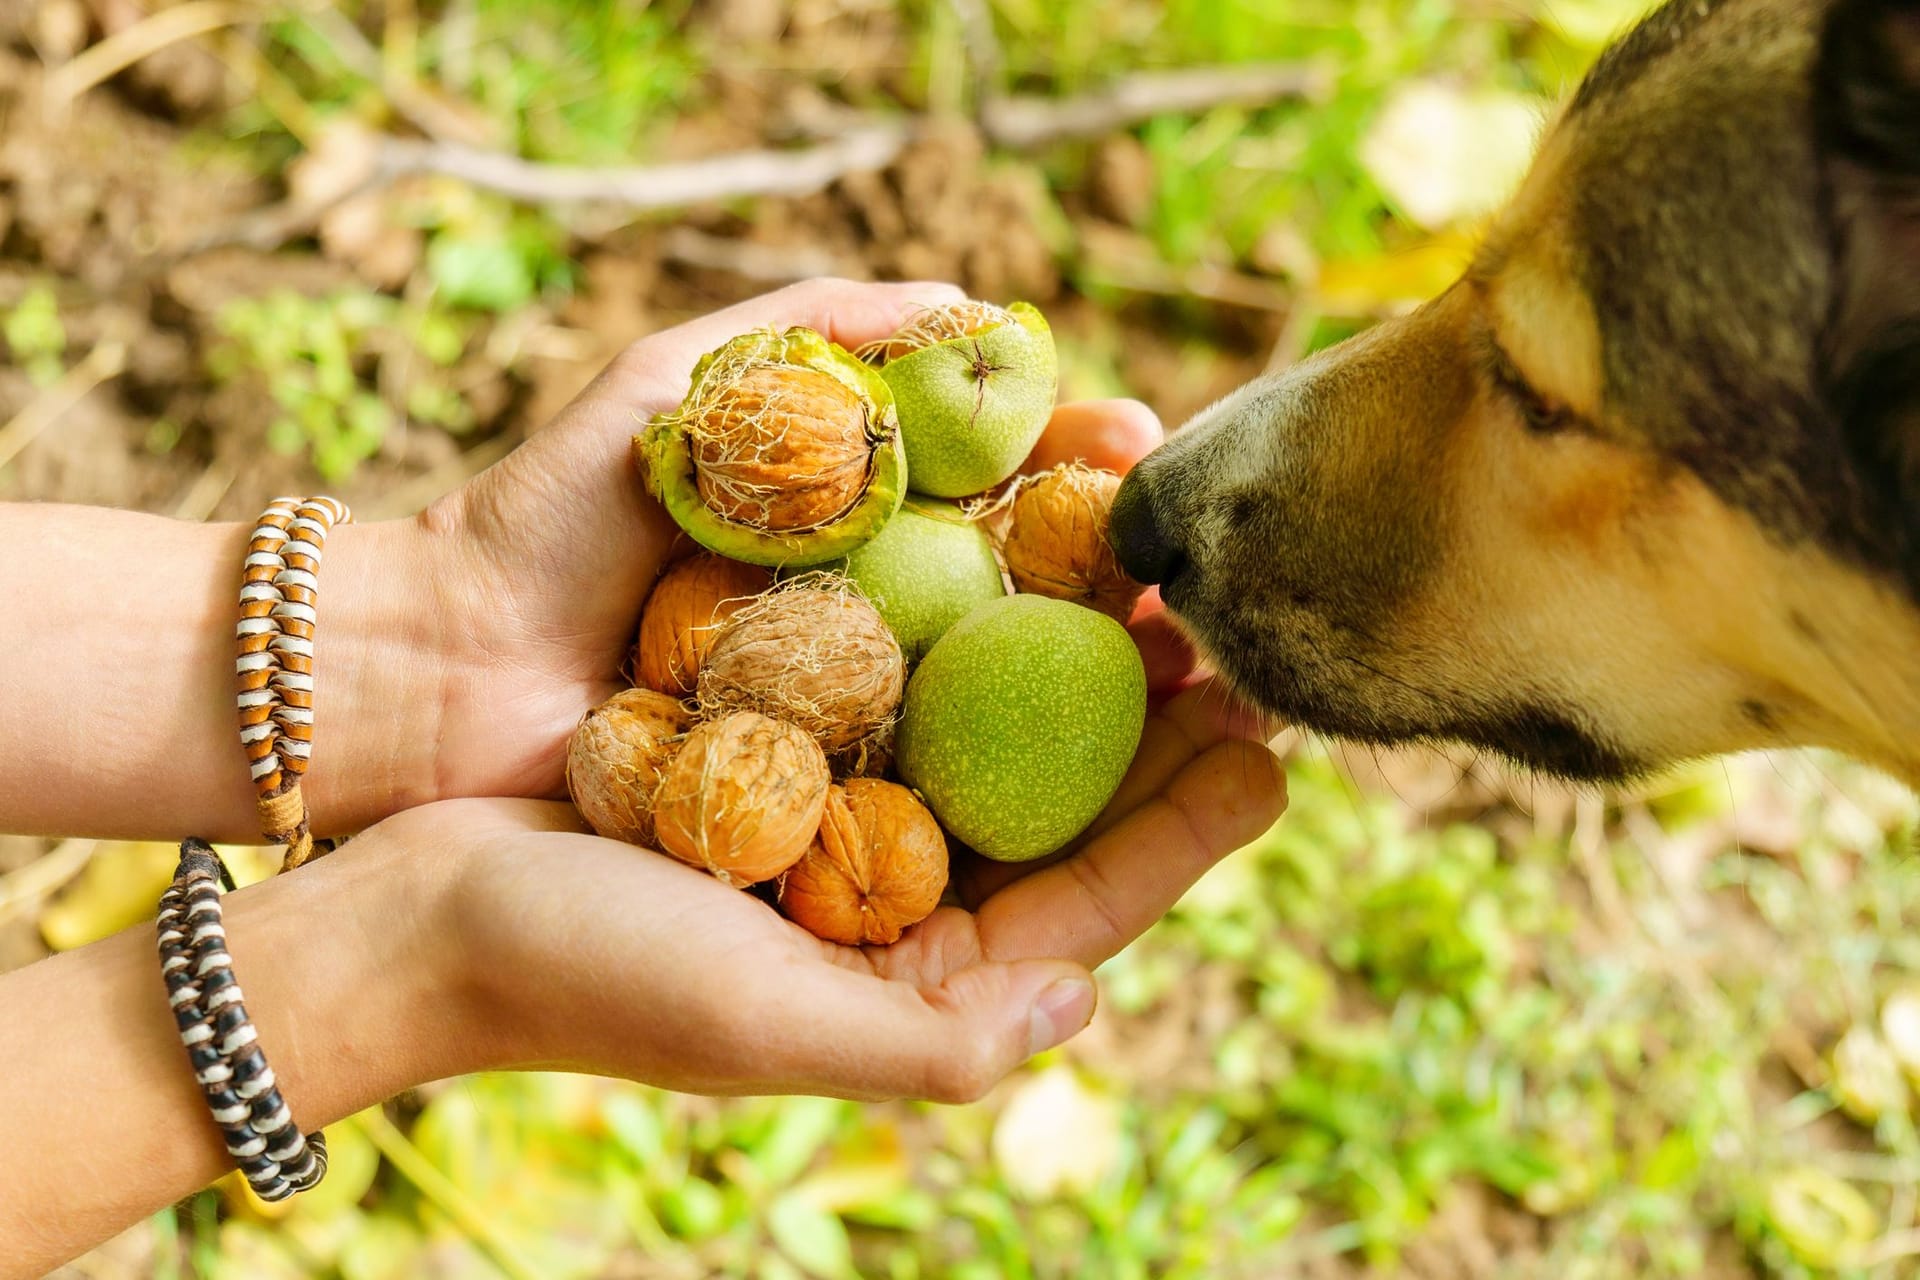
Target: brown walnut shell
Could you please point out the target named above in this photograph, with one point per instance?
(815, 654)
(1056, 542)
(615, 758)
(782, 448)
(877, 866)
(742, 798)
(684, 615)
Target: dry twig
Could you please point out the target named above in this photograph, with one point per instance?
(1021, 121)
(864, 146)
(105, 361)
(23, 889)
(667, 186)
(138, 42)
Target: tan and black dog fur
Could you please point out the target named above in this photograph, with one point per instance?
(1645, 483)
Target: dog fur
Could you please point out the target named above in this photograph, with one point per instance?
(1644, 484)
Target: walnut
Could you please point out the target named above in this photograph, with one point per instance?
(1056, 543)
(781, 447)
(877, 866)
(742, 798)
(615, 759)
(684, 614)
(786, 451)
(814, 653)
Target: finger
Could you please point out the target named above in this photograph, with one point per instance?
(1188, 724)
(1175, 734)
(1089, 906)
(1110, 434)
(1168, 655)
(660, 368)
(855, 1035)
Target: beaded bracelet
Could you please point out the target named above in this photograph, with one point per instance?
(222, 1045)
(274, 663)
(274, 668)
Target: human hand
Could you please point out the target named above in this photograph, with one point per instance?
(586, 954)
(541, 564)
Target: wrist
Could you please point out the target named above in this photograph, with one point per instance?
(382, 670)
(375, 998)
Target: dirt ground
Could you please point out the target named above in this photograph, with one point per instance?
(107, 199)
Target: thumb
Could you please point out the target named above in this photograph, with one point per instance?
(866, 1037)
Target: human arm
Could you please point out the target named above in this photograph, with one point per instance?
(116, 696)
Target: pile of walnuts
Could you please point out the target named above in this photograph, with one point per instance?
(754, 698)
(754, 743)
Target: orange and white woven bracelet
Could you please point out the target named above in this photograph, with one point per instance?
(274, 663)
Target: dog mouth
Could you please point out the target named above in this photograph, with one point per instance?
(1177, 583)
(1312, 673)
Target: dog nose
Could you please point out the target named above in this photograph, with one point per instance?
(1146, 550)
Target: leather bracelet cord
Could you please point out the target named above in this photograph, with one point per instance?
(274, 663)
(274, 669)
(221, 1043)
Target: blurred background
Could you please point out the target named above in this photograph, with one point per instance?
(1444, 1021)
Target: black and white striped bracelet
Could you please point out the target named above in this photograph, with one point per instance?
(276, 1158)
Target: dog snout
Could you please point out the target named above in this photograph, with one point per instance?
(1148, 550)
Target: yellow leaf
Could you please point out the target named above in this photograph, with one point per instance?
(1592, 24)
(1056, 1136)
(1444, 154)
(856, 1177)
(1822, 1219)
(250, 863)
(121, 886)
(352, 1164)
(1363, 286)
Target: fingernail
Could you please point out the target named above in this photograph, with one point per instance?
(1060, 1012)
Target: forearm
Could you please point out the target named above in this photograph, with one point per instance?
(347, 979)
(117, 685)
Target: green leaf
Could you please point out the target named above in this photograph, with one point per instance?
(694, 1210)
(814, 1239)
(483, 274)
(248, 1252)
(635, 1124)
(802, 1127)
(384, 1248)
(34, 333)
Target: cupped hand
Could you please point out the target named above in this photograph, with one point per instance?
(597, 956)
(546, 559)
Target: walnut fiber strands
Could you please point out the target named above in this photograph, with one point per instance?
(778, 446)
(814, 653)
(931, 326)
(274, 662)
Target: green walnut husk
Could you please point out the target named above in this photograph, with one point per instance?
(975, 385)
(786, 452)
(1020, 723)
(930, 567)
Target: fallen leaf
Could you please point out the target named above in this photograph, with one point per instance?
(1443, 154)
(1056, 1136)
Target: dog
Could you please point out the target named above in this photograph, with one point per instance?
(1644, 483)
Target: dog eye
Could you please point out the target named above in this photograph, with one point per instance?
(1542, 418)
(1541, 415)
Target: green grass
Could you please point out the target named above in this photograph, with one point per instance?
(1396, 1013)
(342, 370)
